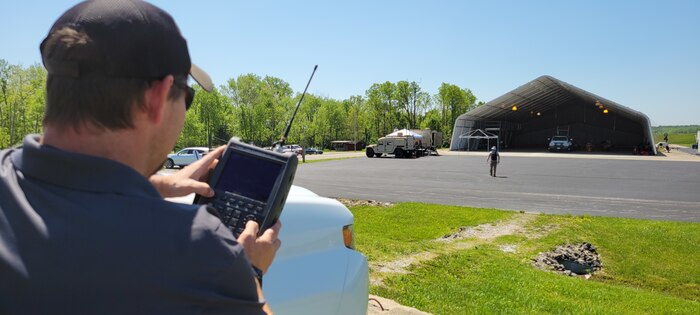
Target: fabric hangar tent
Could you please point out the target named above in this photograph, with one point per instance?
(526, 117)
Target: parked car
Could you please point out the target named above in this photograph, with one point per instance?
(185, 156)
(292, 148)
(560, 144)
(313, 151)
(317, 270)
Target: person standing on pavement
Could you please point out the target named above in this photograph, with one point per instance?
(493, 159)
(84, 226)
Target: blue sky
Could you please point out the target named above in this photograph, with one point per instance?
(641, 54)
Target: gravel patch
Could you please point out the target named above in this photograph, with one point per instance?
(491, 231)
(571, 260)
(355, 202)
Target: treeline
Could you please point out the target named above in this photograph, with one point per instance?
(22, 92)
(660, 130)
(257, 109)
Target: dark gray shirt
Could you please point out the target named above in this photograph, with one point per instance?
(86, 235)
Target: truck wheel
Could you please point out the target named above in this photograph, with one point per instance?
(398, 153)
(369, 153)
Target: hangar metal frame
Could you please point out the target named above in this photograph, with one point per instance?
(547, 105)
(478, 134)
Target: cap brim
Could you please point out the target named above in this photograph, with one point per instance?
(201, 77)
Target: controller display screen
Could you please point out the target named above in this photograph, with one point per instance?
(249, 176)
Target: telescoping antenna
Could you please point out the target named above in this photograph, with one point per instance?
(278, 145)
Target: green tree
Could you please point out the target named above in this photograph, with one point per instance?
(22, 101)
(452, 101)
(412, 102)
(257, 109)
(261, 107)
(402, 97)
(382, 103)
(244, 94)
(305, 130)
(423, 102)
(208, 122)
(357, 120)
(278, 105)
(432, 120)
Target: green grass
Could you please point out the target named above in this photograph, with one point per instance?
(487, 281)
(684, 139)
(648, 266)
(681, 135)
(383, 233)
(660, 256)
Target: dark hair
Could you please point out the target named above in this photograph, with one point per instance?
(102, 101)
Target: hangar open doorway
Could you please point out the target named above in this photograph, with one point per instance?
(525, 118)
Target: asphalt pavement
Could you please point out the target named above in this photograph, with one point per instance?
(650, 188)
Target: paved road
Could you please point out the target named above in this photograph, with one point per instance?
(664, 190)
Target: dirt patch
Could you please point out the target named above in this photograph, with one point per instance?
(464, 238)
(491, 231)
(400, 265)
(355, 202)
(571, 260)
(508, 248)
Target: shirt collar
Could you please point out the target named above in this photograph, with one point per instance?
(79, 171)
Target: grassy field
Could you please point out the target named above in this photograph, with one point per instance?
(684, 139)
(681, 135)
(386, 233)
(648, 266)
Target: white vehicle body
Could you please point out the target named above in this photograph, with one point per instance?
(400, 146)
(560, 144)
(294, 148)
(185, 156)
(314, 272)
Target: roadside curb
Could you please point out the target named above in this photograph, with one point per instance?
(383, 306)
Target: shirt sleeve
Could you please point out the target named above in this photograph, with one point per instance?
(222, 277)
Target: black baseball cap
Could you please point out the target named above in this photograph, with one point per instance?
(120, 38)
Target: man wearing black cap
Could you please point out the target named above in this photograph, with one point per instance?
(84, 228)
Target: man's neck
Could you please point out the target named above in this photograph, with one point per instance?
(125, 146)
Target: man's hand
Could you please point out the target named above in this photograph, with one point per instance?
(260, 251)
(191, 179)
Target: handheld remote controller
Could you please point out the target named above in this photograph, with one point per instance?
(250, 183)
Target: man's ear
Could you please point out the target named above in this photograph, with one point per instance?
(156, 97)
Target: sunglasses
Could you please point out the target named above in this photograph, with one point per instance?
(189, 97)
(189, 94)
